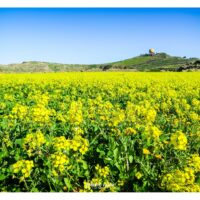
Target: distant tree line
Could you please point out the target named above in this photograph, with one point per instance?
(189, 66)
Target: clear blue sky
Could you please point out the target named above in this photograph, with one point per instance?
(96, 35)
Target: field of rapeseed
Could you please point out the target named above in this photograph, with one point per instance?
(91, 132)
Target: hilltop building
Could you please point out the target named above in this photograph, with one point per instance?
(151, 52)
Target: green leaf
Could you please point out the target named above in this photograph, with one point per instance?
(34, 190)
(198, 178)
(2, 177)
(108, 159)
(118, 166)
(130, 158)
(3, 154)
(101, 152)
(96, 128)
(85, 166)
(115, 153)
(17, 156)
(67, 183)
(19, 142)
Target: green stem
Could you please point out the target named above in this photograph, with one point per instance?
(27, 188)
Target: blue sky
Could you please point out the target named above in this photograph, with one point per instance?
(96, 35)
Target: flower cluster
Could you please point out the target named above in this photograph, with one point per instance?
(20, 111)
(59, 162)
(23, 167)
(77, 131)
(180, 181)
(117, 118)
(179, 140)
(60, 117)
(41, 114)
(61, 143)
(33, 142)
(75, 116)
(100, 182)
(151, 115)
(194, 162)
(79, 144)
(102, 171)
(130, 131)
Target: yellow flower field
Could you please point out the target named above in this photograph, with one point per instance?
(100, 132)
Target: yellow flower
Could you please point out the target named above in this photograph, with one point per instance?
(64, 188)
(87, 185)
(158, 156)
(138, 175)
(146, 151)
(194, 116)
(77, 131)
(155, 132)
(130, 131)
(120, 183)
(151, 115)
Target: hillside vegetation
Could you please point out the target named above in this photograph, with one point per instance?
(145, 62)
(158, 62)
